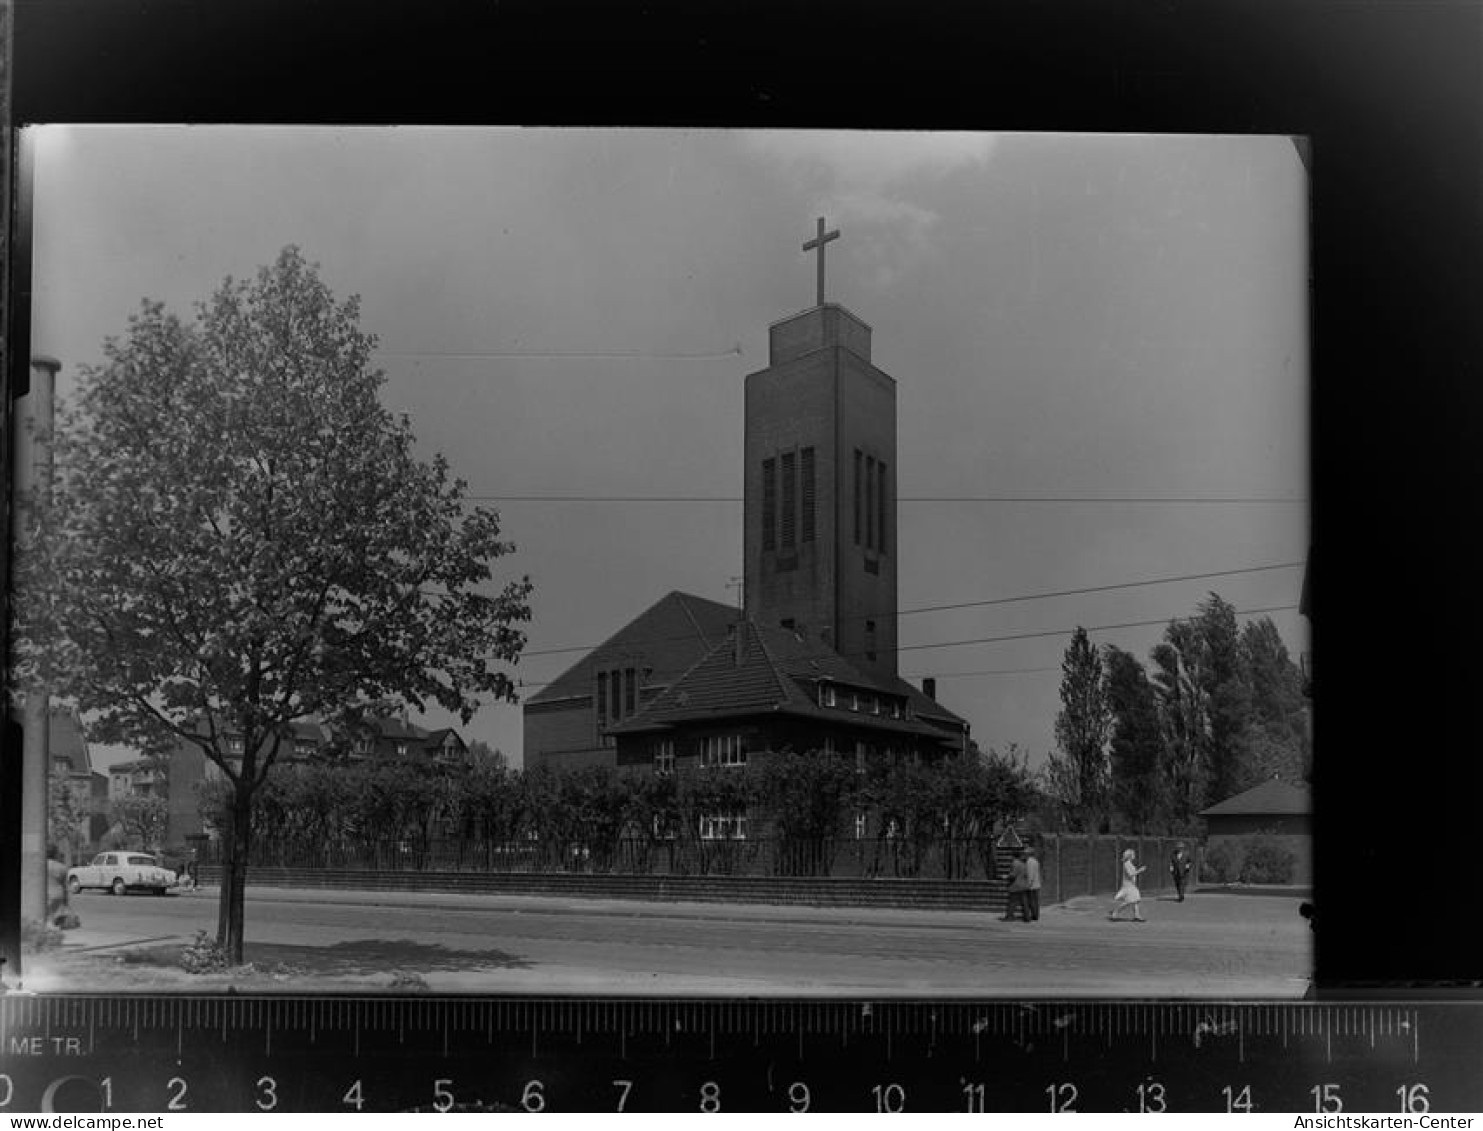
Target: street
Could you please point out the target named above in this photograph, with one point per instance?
(1216, 944)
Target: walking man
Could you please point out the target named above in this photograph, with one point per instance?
(1032, 885)
(1179, 866)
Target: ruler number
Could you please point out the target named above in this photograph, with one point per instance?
(1414, 1097)
(975, 1096)
(105, 1086)
(710, 1096)
(1151, 1097)
(890, 1099)
(177, 1098)
(442, 1097)
(267, 1099)
(1326, 1097)
(624, 1087)
(534, 1096)
(1062, 1097)
(798, 1096)
(7, 1090)
(354, 1097)
(1237, 1101)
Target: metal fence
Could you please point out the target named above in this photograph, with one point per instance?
(964, 858)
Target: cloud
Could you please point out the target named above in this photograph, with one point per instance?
(870, 181)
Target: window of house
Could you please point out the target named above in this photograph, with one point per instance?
(61, 765)
(859, 757)
(363, 744)
(828, 744)
(663, 752)
(602, 698)
(234, 745)
(875, 704)
(790, 500)
(303, 747)
(769, 504)
(854, 700)
(827, 696)
(870, 640)
(630, 691)
(896, 711)
(806, 468)
(860, 826)
(870, 502)
(401, 749)
(723, 750)
(723, 826)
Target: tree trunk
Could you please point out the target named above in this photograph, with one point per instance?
(231, 913)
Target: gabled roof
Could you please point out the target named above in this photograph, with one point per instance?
(1271, 798)
(67, 740)
(775, 670)
(667, 638)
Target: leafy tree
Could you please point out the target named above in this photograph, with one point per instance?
(1079, 773)
(1136, 750)
(142, 820)
(1278, 742)
(1179, 680)
(241, 536)
(1228, 696)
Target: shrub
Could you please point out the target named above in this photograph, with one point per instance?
(38, 937)
(1222, 863)
(1267, 861)
(203, 956)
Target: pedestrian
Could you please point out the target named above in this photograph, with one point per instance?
(1019, 881)
(1032, 884)
(1179, 866)
(1128, 895)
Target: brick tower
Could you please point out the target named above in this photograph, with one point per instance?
(820, 484)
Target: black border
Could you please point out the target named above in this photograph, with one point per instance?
(1388, 94)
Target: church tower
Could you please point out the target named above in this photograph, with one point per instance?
(820, 542)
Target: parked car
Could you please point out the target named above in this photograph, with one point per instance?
(119, 872)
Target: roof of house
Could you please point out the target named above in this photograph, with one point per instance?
(67, 740)
(1272, 798)
(665, 639)
(775, 670)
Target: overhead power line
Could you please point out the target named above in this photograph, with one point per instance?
(1068, 631)
(1159, 500)
(643, 355)
(989, 601)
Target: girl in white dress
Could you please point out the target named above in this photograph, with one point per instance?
(1128, 895)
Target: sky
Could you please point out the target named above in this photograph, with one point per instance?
(1082, 329)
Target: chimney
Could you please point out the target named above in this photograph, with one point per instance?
(929, 687)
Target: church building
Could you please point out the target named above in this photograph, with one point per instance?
(810, 663)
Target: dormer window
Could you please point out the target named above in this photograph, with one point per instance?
(826, 695)
(401, 749)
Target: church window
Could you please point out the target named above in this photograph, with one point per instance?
(630, 690)
(880, 507)
(806, 470)
(870, 502)
(769, 504)
(790, 500)
(859, 462)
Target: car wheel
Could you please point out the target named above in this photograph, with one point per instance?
(119, 887)
(73, 887)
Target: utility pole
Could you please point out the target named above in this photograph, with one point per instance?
(34, 421)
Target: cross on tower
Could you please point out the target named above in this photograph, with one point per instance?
(818, 242)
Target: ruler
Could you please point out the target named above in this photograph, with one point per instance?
(292, 1053)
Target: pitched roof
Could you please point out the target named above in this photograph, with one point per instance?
(1272, 798)
(666, 638)
(774, 670)
(67, 740)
